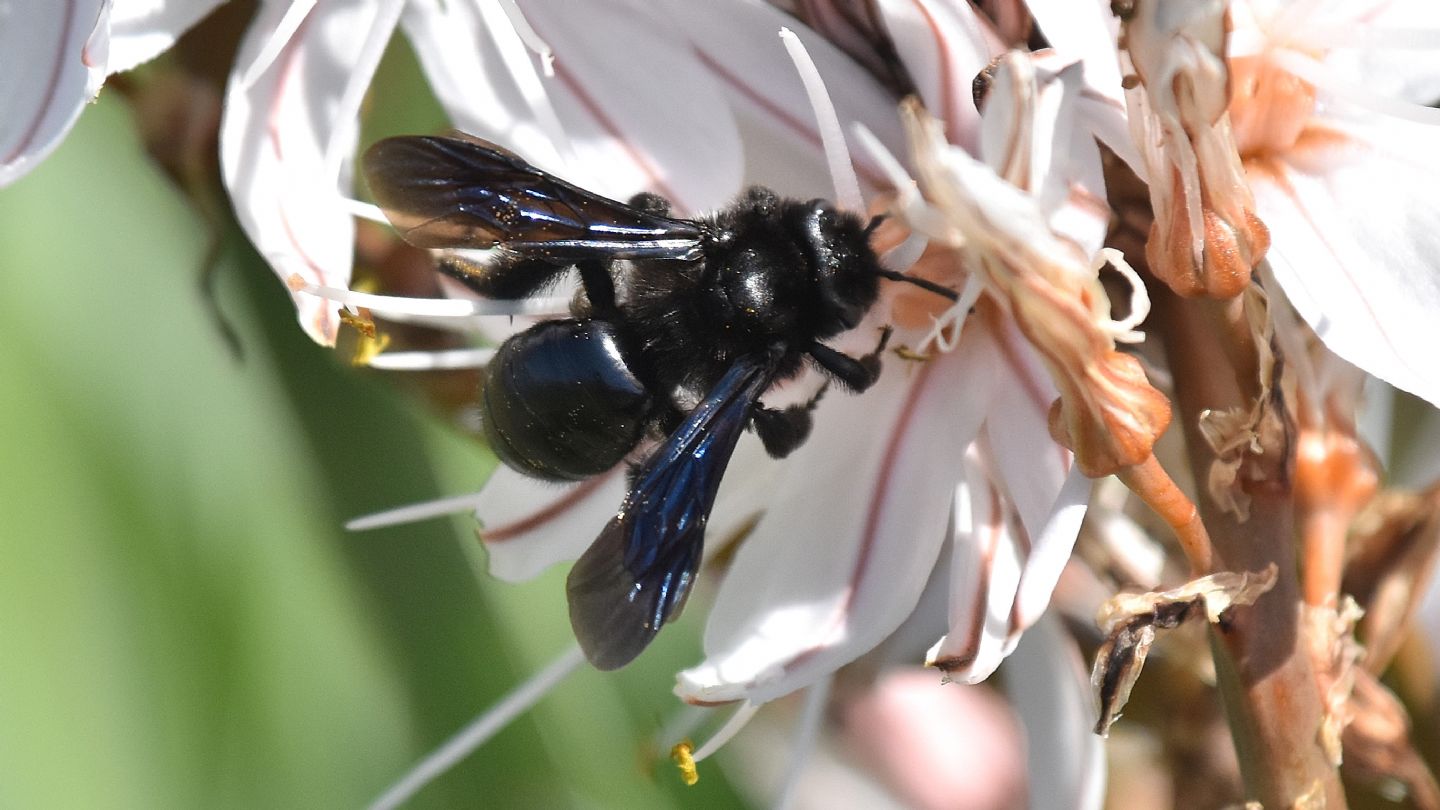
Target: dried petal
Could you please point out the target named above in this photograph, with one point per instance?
(1130, 622)
(1396, 541)
(1112, 415)
(1330, 634)
(1108, 413)
(1117, 667)
(1206, 238)
(1378, 747)
(1250, 444)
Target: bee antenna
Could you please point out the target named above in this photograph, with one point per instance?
(874, 224)
(921, 283)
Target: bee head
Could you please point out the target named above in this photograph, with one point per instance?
(843, 266)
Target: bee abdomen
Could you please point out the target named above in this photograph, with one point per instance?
(560, 401)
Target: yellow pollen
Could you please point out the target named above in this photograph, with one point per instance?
(368, 341)
(907, 353)
(361, 324)
(683, 754)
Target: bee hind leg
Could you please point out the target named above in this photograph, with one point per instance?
(782, 430)
(599, 287)
(506, 277)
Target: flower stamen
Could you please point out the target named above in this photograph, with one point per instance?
(482, 728)
(684, 755)
(364, 210)
(903, 256)
(279, 38)
(909, 204)
(431, 307)
(432, 361)
(812, 713)
(527, 34)
(732, 726)
(416, 512)
(944, 335)
(832, 137)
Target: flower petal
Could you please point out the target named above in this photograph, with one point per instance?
(49, 70)
(462, 59)
(1386, 45)
(1033, 133)
(984, 576)
(738, 44)
(1084, 31)
(944, 46)
(1002, 572)
(1050, 689)
(872, 485)
(1366, 277)
(286, 140)
(1087, 33)
(628, 108)
(627, 86)
(763, 757)
(745, 492)
(141, 31)
(529, 525)
(938, 746)
(1050, 551)
(1029, 463)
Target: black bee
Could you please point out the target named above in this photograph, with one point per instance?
(719, 308)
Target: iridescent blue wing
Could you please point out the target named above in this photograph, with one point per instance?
(465, 193)
(637, 573)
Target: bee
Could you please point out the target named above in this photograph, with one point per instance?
(715, 310)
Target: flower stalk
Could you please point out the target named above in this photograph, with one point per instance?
(1267, 682)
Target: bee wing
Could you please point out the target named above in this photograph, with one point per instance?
(638, 572)
(452, 192)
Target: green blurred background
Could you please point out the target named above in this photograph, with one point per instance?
(183, 620)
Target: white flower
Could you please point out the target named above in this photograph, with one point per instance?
(1339, 150)
(951, 451)
(55, 56)
(945, 498)
(1325, 101)
(287, 138)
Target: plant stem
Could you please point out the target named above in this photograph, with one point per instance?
(1266, 680)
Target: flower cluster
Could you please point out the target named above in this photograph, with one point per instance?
(1263, 163)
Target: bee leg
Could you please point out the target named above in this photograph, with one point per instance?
(664, 420)
(507, 277)
(783, 430)
(855, 373)
(599, 287)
